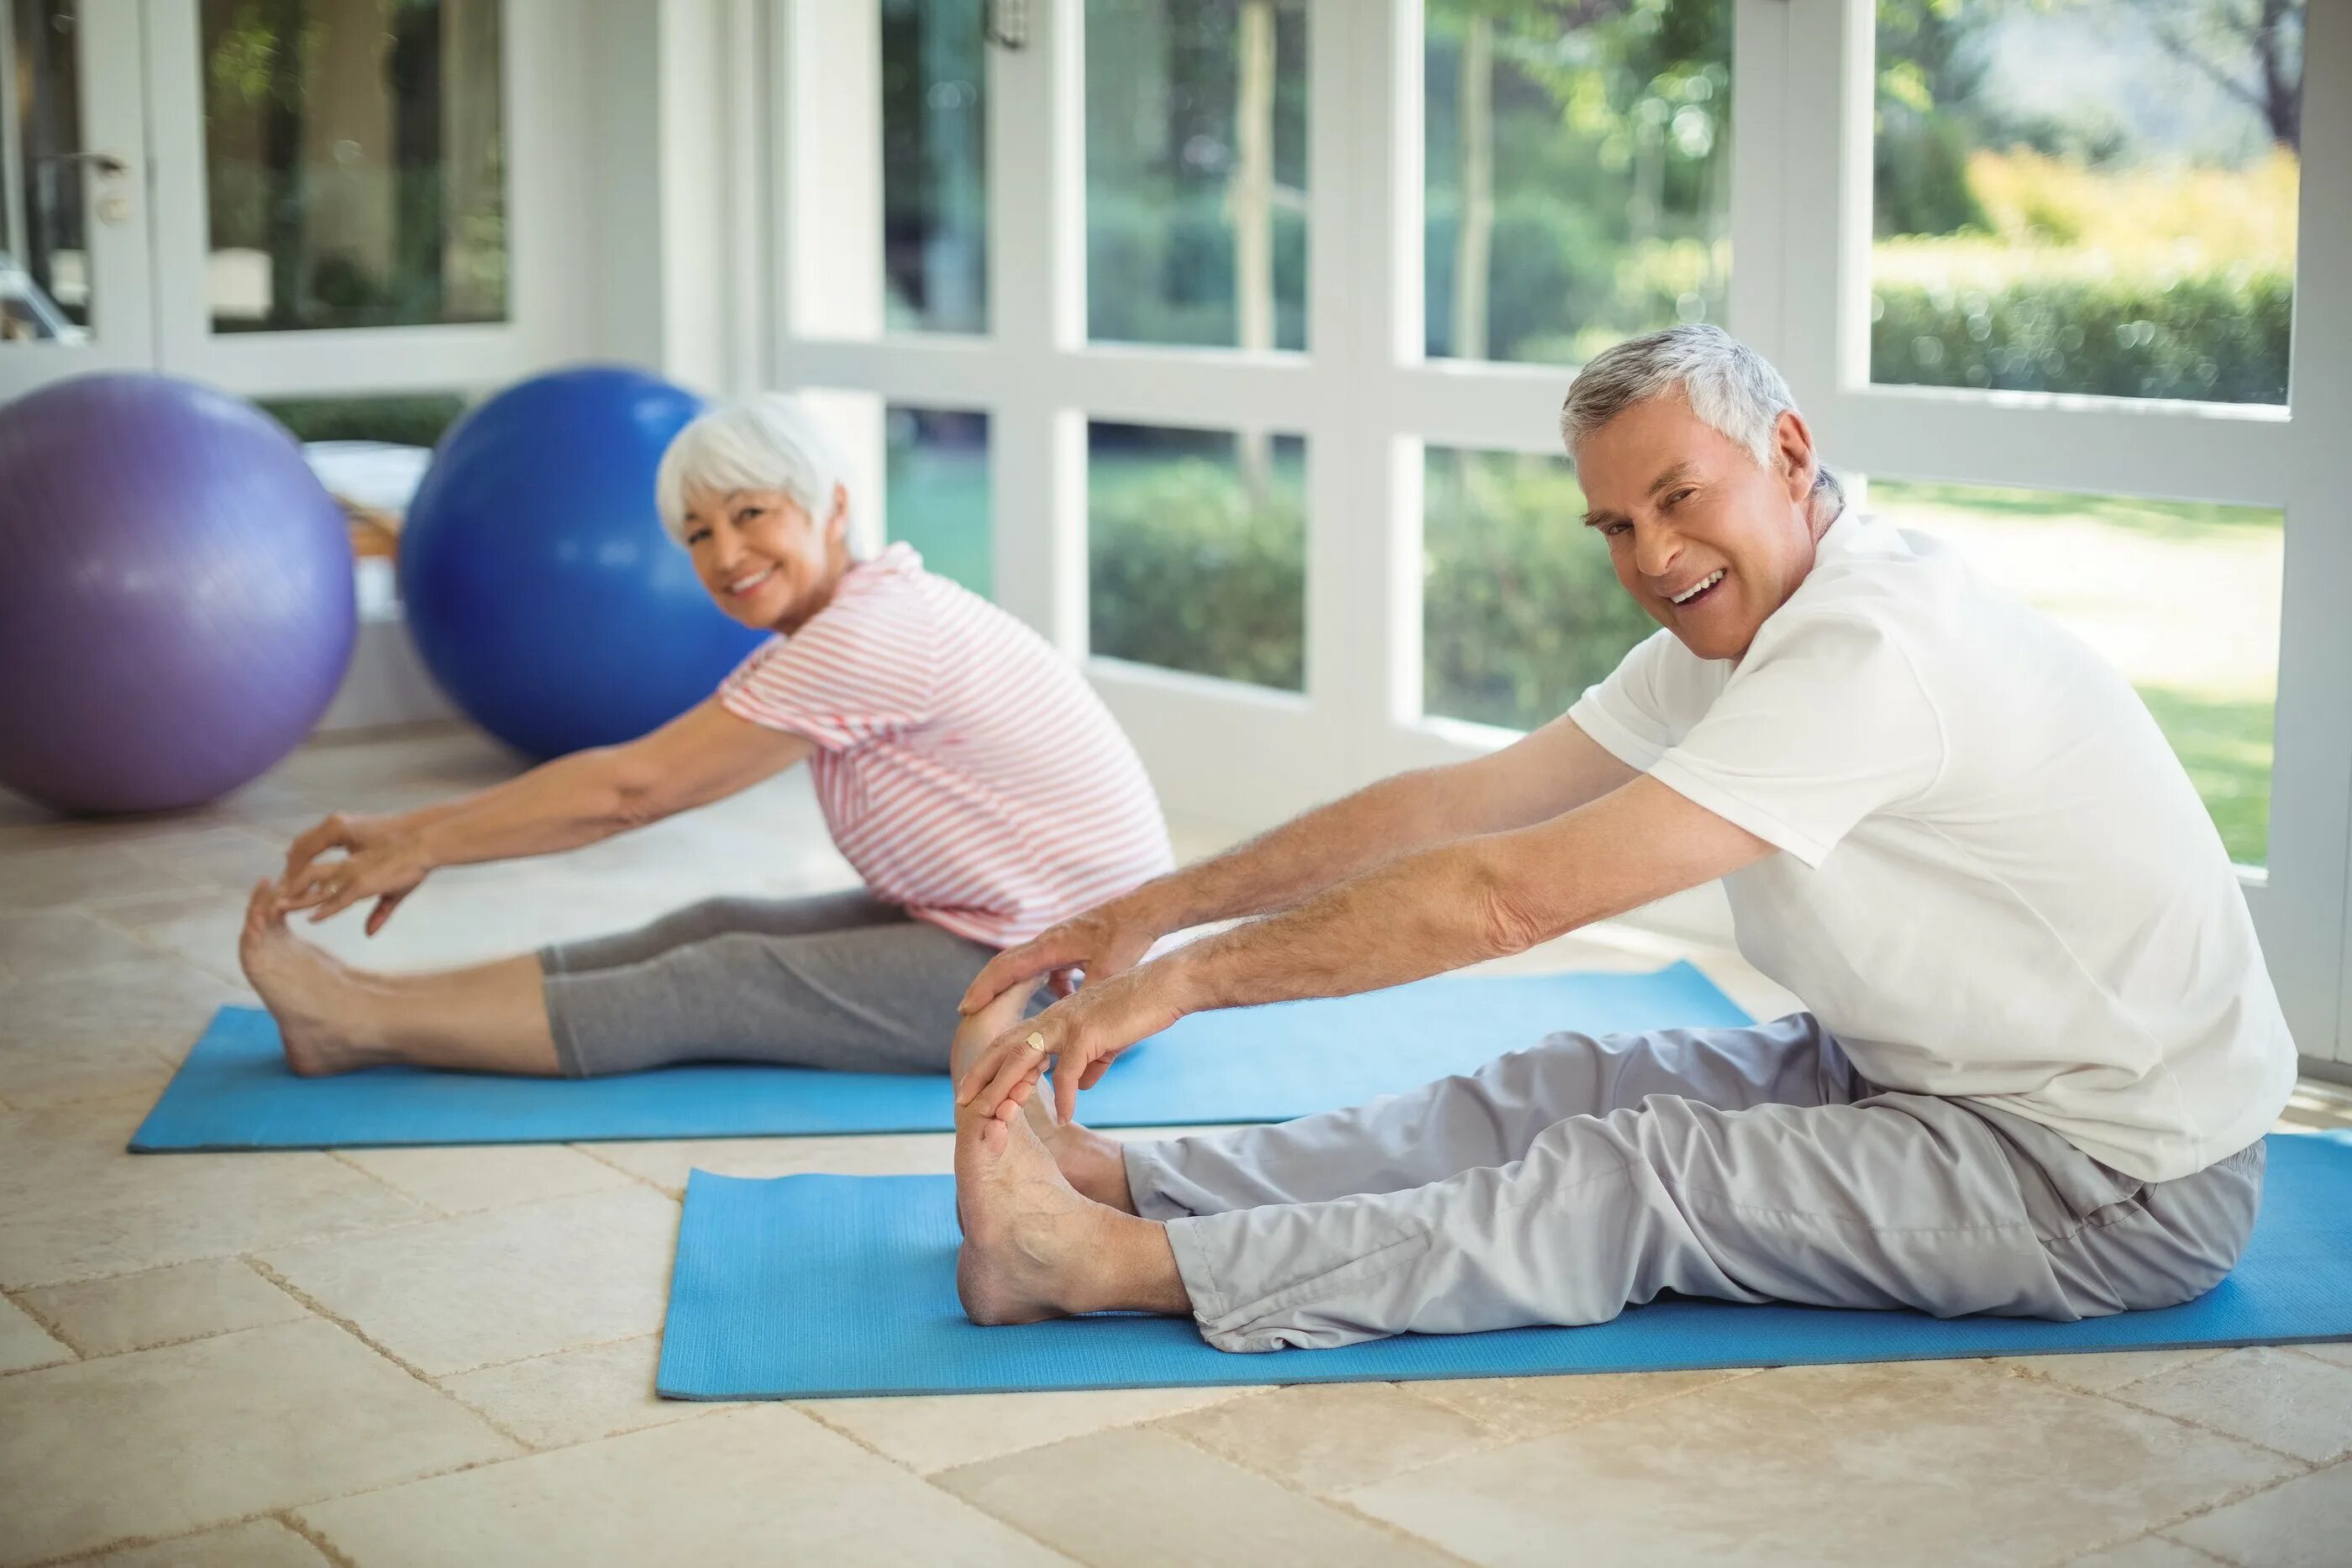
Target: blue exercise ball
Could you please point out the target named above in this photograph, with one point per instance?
(176, 602)
(541, 590)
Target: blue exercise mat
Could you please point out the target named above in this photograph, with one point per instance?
(813, 1285)
(1255, 1064)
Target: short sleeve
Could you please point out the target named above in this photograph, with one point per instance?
(1646, 703)
(854, 674)
(1826, 724)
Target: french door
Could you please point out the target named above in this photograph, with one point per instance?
(76, 262)
(302, 201)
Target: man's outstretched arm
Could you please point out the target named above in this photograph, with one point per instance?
(1549, 771)
(1418, 914)
(1542, 775)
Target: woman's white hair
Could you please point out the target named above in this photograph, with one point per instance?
(1731, 387)
(767, 441)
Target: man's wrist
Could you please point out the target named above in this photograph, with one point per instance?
(1159, 906)
(1189, 976)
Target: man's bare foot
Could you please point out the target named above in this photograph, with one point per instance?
(1089, 1161)
(1034, 1248)
(314, 998)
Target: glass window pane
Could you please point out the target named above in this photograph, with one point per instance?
(2182, 597)
(1520, 608)
(44, 254)
(934, 166)
(1578, 176)
(2096, 197)
(1196, 173)
(1197, 551)
(354, 161)
(937, 492)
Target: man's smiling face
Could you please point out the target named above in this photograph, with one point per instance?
(1704, 538)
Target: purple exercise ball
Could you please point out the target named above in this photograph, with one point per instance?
(177, 604)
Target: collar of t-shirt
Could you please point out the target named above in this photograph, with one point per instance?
(897, 559)
(1834, 542)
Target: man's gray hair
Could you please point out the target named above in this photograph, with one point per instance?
(1731, 387)
(769, 441)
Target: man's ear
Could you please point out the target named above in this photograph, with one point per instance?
(1793, 442)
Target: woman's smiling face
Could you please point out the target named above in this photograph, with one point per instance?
(766, 562)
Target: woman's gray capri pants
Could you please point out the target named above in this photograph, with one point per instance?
(839, 980)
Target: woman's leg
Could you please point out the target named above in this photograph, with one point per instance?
(871, 998)
(334, 1018)
(713, 984)
(720, 917)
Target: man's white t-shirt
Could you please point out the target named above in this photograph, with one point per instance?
(1996, 884)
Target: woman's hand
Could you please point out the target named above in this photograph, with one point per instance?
(1107, 940)
(1079, 1036)
(383, 859)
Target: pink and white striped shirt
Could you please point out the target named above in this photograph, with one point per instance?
(965, 768)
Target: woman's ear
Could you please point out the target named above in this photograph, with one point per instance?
(837, 526)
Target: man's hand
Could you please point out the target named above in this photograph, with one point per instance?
(1079, 1036)
(1105, 941)
(383, 860)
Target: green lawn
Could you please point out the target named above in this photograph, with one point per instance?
(2175, 522)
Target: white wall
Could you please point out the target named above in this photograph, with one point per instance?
(668, 189)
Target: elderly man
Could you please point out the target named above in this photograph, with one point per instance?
(2042, 1047)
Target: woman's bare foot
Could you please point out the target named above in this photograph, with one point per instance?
(315, 999)
(1034, 1248)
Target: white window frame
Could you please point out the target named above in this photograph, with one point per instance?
(549, 188)
(1366, 401)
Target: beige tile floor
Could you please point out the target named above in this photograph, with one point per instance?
(431, 1356)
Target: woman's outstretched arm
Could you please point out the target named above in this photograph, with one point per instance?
(704, 754)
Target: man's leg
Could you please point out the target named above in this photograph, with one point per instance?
(1486, 1118)
(1020, 1195)
(1899, 1201)
(1034, 1248)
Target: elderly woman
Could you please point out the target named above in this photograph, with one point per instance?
(964, 768)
